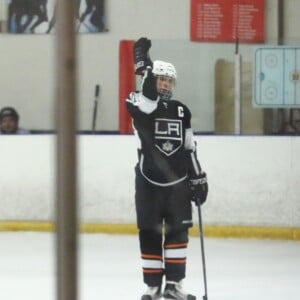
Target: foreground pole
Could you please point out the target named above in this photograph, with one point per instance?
(66, 208)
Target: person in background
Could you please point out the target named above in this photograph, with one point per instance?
(9, 122)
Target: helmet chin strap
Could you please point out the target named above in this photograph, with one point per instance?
(165, 94)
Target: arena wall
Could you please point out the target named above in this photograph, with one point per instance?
(253, 180)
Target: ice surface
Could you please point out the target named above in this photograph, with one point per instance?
(110, 268)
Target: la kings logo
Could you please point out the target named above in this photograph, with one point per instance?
(168, 135)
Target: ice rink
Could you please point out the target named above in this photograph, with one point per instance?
(110, 268)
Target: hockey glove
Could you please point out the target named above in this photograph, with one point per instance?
(149, 85)
(199, 189)
(141, 55)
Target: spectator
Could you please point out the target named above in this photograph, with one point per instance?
(9, 122)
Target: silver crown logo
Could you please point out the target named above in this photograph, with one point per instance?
(167, 146)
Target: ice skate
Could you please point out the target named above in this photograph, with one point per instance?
(173, 291)
(152, 293)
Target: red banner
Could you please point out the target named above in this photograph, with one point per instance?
(227, 21)
(126, 83)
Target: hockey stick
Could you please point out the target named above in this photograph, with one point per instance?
(97, 92)
(202, 251)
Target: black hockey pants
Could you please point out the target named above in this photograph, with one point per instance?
(163, 217)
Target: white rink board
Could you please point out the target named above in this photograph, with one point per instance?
(253, 180)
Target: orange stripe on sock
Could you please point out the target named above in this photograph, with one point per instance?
(175, 261)
(153, 256)
(170, 246)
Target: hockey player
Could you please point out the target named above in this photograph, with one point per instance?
(168, 176)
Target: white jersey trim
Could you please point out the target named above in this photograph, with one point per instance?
(189, 142)
(144, 104)
(195, 164)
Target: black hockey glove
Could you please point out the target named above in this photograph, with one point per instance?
(141, 55)
(149, 85)
(199, 189)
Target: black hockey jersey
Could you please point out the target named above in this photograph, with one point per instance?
(167, 151)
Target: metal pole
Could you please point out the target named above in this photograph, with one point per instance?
(237, 91)
(280, 22)
(66, 205)
(280, 115)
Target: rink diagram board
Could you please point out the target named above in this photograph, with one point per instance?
(276, 77)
